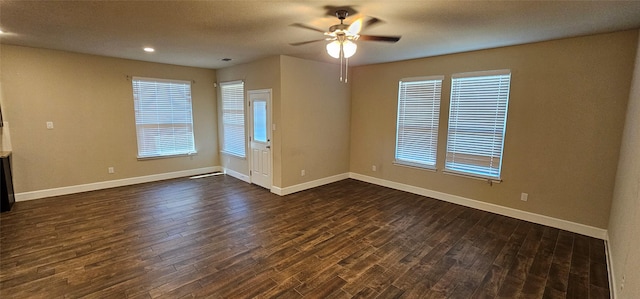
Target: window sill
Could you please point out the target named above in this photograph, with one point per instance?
(233, 155)
(167, 156)
(475, 177)
(414, 165)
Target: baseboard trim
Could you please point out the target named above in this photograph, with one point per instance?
(612, 274)
(276, 190)
(489, 207)
(237, 175)
(24, 196)
(308, 185)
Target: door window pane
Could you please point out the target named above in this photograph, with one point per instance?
(260, 121)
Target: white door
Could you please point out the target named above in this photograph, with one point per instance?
(260, 107)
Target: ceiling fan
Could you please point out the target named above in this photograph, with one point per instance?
(341, 38)
(344, 31)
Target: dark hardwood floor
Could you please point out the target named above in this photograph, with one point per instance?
(219, 237)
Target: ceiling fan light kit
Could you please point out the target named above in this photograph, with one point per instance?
(347, 48)
(333, 48)
(342, 37)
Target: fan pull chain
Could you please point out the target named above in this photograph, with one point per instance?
(346, 70)
(341, 59)
(346, 66)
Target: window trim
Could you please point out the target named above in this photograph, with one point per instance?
(446, 170)
(192, 152)
(223, 150)
(413, 164)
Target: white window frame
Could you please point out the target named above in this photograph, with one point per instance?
(233, 107)
(477, 123)
(418, 111)
(167, 129)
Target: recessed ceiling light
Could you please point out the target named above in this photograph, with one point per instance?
(149, 49)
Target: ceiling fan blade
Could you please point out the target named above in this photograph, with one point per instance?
(377, 38)
(371, 21)
(355, 27)
(307, 42)
(306, 27)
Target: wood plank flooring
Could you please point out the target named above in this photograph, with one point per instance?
(219, 237)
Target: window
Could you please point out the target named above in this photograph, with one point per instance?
(477, 123)
(164, 122)
(260, 121)
(418, 116)
(233, 137)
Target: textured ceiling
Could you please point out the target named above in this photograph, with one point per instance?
(201, 33)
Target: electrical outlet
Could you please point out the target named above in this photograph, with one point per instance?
(374, 168)
(49, 125)
(302, 172)
(111, 170)
(524, 196)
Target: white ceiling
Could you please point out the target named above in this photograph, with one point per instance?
(201, 33)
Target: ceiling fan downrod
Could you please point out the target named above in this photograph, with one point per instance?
(338, 28)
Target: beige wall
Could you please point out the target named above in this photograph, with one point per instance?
(315, 121)
(310, 112)
(4, 132)
(89, 100)
(566, 111)
(260, 74)
(5, 138)
(624, 223)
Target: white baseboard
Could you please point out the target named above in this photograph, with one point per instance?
(489, 207)
(237, 175)
(276, 190)
(309, 185)
(612, 274)
(112, 184)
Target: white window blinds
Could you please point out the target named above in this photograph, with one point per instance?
(233, 135)
(163, 114)
(477, 123)
(417, 123)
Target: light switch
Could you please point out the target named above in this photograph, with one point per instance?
(49, 125)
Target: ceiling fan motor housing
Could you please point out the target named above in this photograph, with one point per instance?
(342, 14)
(338, 27)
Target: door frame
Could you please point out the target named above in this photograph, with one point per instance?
(269, 91)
